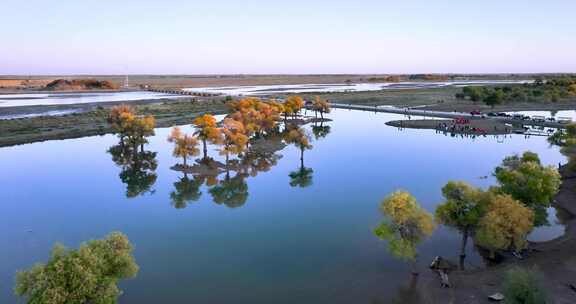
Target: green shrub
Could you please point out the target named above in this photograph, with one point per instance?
(521, 286)
(89, 274)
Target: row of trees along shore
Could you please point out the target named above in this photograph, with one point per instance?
(499, 218)
(551, 90)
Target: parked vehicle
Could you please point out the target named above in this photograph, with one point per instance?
(518, 116)
(538, 118)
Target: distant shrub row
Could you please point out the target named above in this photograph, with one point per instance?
(552, 90)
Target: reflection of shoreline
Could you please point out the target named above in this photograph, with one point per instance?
(472, 127)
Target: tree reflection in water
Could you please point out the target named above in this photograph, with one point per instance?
(138, 169)
(186, 191)
(232, 192)
(232, 189)
(227, 182)
(320, 131)
(301, 178)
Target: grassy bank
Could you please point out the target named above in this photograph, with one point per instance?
(404, 98)
(28, 130)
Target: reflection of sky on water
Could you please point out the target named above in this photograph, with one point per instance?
(287, 243)
(47, 113)
(16, 100)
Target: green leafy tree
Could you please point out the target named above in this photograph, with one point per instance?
(406, 225)
(494, 98)
(473, 92)
(87, 275)
(526, 180)
(463, 209)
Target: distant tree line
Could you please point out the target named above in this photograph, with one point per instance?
(551, 90)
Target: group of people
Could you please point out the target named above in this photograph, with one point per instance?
(458, 128)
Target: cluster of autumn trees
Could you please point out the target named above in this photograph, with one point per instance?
(131, 128)
(249, 120)
(499, 219)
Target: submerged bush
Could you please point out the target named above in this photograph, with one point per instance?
(521, 286)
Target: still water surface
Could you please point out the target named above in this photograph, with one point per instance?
(20, 100)
(283, 244)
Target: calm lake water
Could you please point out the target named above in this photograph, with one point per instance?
(283, 244)
(19, 100)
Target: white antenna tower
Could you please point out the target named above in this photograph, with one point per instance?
(126, 83)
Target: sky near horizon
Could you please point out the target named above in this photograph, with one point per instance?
(290, 37)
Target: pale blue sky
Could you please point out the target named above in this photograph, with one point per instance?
(223, 36)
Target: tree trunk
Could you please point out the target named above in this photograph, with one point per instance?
(227, 160)
(184, 158)
(302, 157)
(463, 247)
(322, 115)
(204, 149)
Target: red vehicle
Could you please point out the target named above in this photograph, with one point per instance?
(475, 112)
(461, 121)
